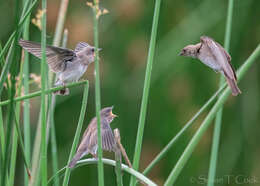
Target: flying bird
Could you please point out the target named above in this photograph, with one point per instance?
(216, 57)
(89, 142)
(69, 65)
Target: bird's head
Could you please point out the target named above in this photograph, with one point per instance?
(190, 51)
(107, 113)
(90, 53)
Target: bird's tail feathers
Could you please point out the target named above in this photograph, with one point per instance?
(74, 160)
(233, 86)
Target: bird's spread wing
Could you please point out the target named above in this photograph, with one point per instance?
(87, 137)
(56, 57)
(108, 140)
(80, 46)
(91, 127)
(219, 53)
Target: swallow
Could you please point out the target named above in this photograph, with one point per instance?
(216, 57)
(68, 65)
(89, 142)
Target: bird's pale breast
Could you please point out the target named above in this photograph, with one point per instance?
(73, 72)
(209, 60)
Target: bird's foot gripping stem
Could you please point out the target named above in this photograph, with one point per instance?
(63, 92)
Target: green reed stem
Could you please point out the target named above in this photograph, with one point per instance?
(2, 131)
(125, 168)
(13, 154)
(16, 130)
(77, 134)
(60, 22)
(52, 98)
(97, 95)
(26, 104)
(118, 169)
(54, 151)
(181, 132)
(13, 67)
(147, 81)
(36, 154)
(20, 138)
(2, 143)
(2, 136)
(7, 132)
(208, 120)
(38, 93)
(228, 25)
(43, 154)
(217, 127)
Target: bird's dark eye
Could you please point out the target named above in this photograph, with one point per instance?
(184, 50)
(92, 50)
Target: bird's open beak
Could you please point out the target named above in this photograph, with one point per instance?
(113, 115)
(99, 49)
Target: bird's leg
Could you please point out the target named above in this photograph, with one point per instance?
(64, 91)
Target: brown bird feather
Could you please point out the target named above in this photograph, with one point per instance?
(89, 140)
(216, 57)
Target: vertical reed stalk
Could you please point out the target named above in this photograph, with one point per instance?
(51, 98)
(2, 131)
(17, 128)
(2, 136)
(217, 127)
(9, 125)
(77, 134)
(2, 142)
(60, 22)
(13, 67)
(147, 80)
(97, 95)
(54, 151)
(118, 158)
(43, 103)
(26, 103)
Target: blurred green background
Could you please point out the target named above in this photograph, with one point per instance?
(179, 86)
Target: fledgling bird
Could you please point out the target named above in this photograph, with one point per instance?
(213, 55)
(69, 65)
(89, 142)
